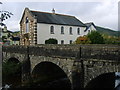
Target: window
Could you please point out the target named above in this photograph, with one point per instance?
(88, 31)
(70, 41)
(70, 30)
(62, 30)
(78, 31)
(27, 25)
(62, 41)
(52, 29)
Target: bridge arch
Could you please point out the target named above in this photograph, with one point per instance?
(50, 75)
(105, 80)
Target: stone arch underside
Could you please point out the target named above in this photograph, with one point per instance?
(49, 75)
(13, 59)
(106, 80)
(64, 63)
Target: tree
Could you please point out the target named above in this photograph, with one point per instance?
(10, 71)
(95, 37)
(51, 41)
(3, 16)
(111, 39)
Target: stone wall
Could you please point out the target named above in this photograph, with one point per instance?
(104, 52)
(15, 49)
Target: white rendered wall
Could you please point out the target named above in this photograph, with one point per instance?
(43, 33)
(91, 28)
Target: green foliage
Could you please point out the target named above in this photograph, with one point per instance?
(51, 41)
(111, 39)
(10, 69)
(5, 15)
(11, 73)
(95, 37)
(4, 38)
(107, 31)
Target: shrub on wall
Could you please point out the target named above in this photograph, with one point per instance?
(51, 41)
(83, 40)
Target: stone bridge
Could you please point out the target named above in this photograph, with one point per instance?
(79, 63)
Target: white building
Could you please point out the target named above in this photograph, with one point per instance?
(37, 27)
(90, 27)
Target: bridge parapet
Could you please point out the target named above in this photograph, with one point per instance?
(55, 50)
(103, 52)
(15, 49)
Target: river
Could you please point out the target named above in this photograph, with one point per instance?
(62, 84)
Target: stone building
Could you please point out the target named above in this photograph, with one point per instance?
(36, 27)
(8, 37)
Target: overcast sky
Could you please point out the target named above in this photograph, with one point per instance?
(102, 13)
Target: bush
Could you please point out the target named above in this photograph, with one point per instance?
(51, 41)
(111, 39)
(95, 37)
(83, 40)
(10, 69)
(11, 74)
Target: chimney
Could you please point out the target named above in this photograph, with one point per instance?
(53, 11)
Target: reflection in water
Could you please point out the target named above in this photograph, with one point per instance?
(60, 83)
(63, 84)
(56, 84)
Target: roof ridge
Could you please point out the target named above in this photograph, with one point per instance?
(52, 13)
(89, 23)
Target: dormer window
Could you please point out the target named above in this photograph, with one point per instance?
(27, 25)
(52, 30)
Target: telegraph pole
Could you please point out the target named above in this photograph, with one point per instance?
(0, 47)
(1, 23)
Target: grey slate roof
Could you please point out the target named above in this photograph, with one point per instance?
(51, 18)
(89, 24)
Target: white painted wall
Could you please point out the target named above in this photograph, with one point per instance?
(43, 33)
(91, 28)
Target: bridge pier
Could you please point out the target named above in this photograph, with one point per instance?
(26, 71)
